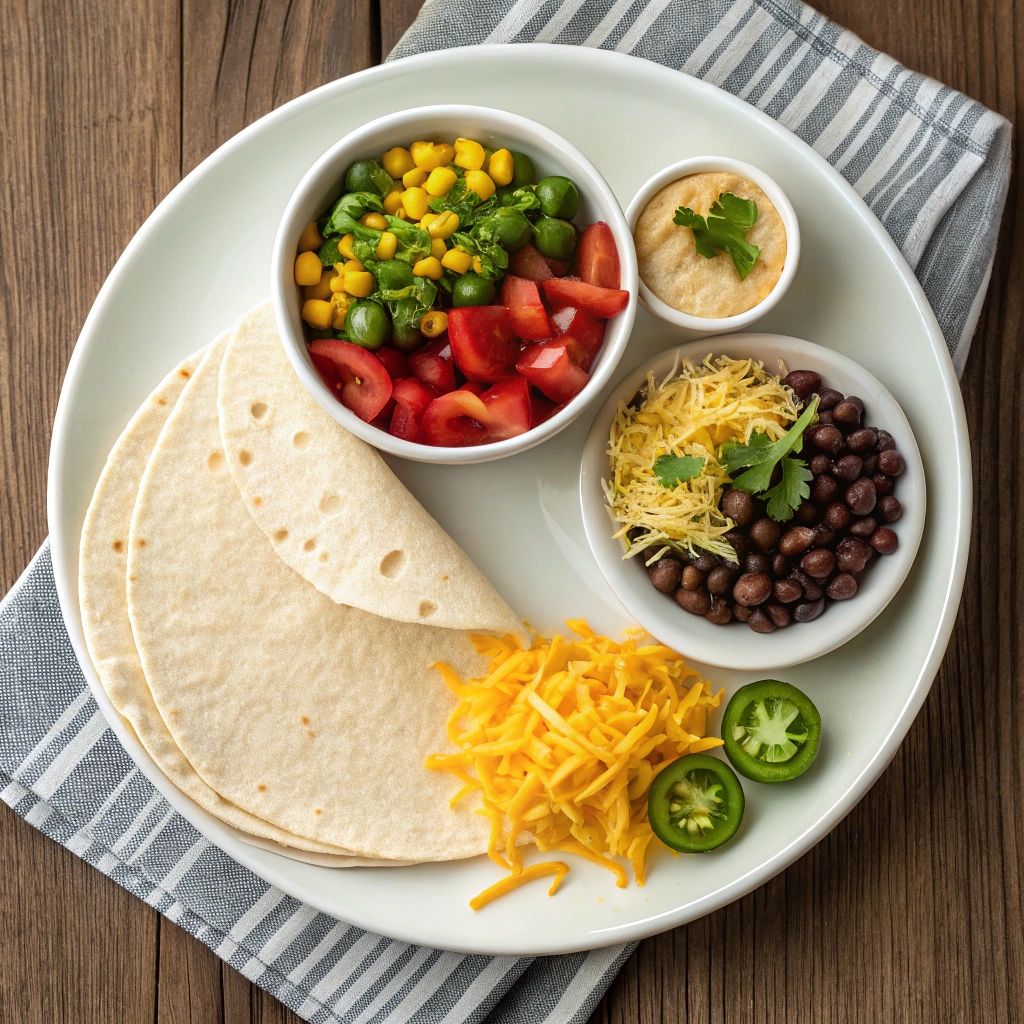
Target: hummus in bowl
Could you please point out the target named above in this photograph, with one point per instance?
(717, 244)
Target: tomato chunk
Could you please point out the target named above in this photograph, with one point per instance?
(529, 317)
(483, 342)
(597, 258)
(461, 418)
(434, 365)
(557, 267)
(602, 302)
(581, 331)
(550, 368)
(541, 409)
(411, 397)
(529, 263)
(356, 377)
(395, 362)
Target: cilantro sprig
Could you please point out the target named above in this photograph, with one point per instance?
(725, 228)
(677, 469)
(762, 455)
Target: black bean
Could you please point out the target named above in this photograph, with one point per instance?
(818, 563)
(807, 514)
(883, 483)
(860, 496)
(738, 506)
(692, 578)
(885, 441)
(890, 462)
(787, 591)
(826, 417)
(740, 613)
(870, 465)
(752, 588)
(796, 539)
(824, 488)
(862, 439)
(842, 588)
(828, 398)
(778, 614)
(849, 411)
(825, 437)
(765, 533)
(837, 515)
(780, 566)
(852, 554)
(697, 602)
(863, 527)
(811, 588)
(848, 468)
(665, 574)
(884, 540)
(705, 561)
(757, 561)
(808, 611)
(720, 580)
(803, 382)
(889, 509)
(720, 613)
(823, 535)
(821, 464)
(760, 623)
(738, 541)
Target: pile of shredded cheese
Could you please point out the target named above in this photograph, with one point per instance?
(694, 411)
(562, 742)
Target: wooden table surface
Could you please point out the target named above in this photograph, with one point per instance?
(910, 910)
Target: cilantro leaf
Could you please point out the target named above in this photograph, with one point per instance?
(725, 228)
(785, 497)
(677, 469)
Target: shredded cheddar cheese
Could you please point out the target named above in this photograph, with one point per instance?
(562, 742)
(694, 411)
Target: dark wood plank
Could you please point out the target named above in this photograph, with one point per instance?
(189, 990)
(395, 17)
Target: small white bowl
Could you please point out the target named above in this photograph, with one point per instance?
(551, 154)
(696, 165)
(736, 646)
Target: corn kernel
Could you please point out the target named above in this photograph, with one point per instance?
(386, 246)
(437, 247)
(322, 289)
(501, 167)
(352, 267)
(310, 238)
(444, 225)
(434, 323)
(440, 181)
(478, 265)
(360, 283)
(415, 202)
(427, 156)
(345, 246)
(373, 220)
(397, 161)
(428, 219)
(317, 313)
(429, 267)
(480, 183)
(414, 178)
(340, 303)
(393, 202)
(307, 269)
(446, 153)
(457, 260)
(337, 283)
(469, 154)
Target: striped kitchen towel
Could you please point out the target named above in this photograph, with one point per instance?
(931, 163)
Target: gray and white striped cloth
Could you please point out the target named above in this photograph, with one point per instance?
(931, 163)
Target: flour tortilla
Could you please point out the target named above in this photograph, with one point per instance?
(333, 510)
(671, 267)
(103, 598)
(311, 715)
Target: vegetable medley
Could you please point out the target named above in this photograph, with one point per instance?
(438, 296)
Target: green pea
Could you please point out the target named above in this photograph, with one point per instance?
(405, 325)
(555, 238)
(472, 290)
(509, 228)
(367, 324)
(558, 197)
(367, 176)
(523, 171)
(393, 275)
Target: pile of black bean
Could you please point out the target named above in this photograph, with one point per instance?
(789, 572)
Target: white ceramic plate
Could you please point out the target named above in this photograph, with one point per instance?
(204, 257)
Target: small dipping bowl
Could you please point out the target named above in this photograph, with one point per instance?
(698, 165)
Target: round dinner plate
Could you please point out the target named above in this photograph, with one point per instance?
(203, 258)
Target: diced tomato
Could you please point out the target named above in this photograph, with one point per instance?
(382, 421)
(602, 302)
(461, 418)
(395, 362)
(411, 397)
(484, 342)
(529, 318)
(559, 268)
(356, 377)
(541, 409)
(550, 368)
(597, 258)
(474, 386)
(434, 365)
(529, 263)
(581, 331)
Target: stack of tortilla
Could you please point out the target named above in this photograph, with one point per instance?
(263, 602)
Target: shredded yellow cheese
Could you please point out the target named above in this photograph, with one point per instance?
(694, 411)
(563, 740)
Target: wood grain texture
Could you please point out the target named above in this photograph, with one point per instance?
(910, 911)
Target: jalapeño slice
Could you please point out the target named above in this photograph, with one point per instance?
(695, 804)
(771, 731)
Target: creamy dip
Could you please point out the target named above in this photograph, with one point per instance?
(677, 274)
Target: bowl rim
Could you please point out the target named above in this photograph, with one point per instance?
(779, 199)
(691, 637)
(598, 192)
